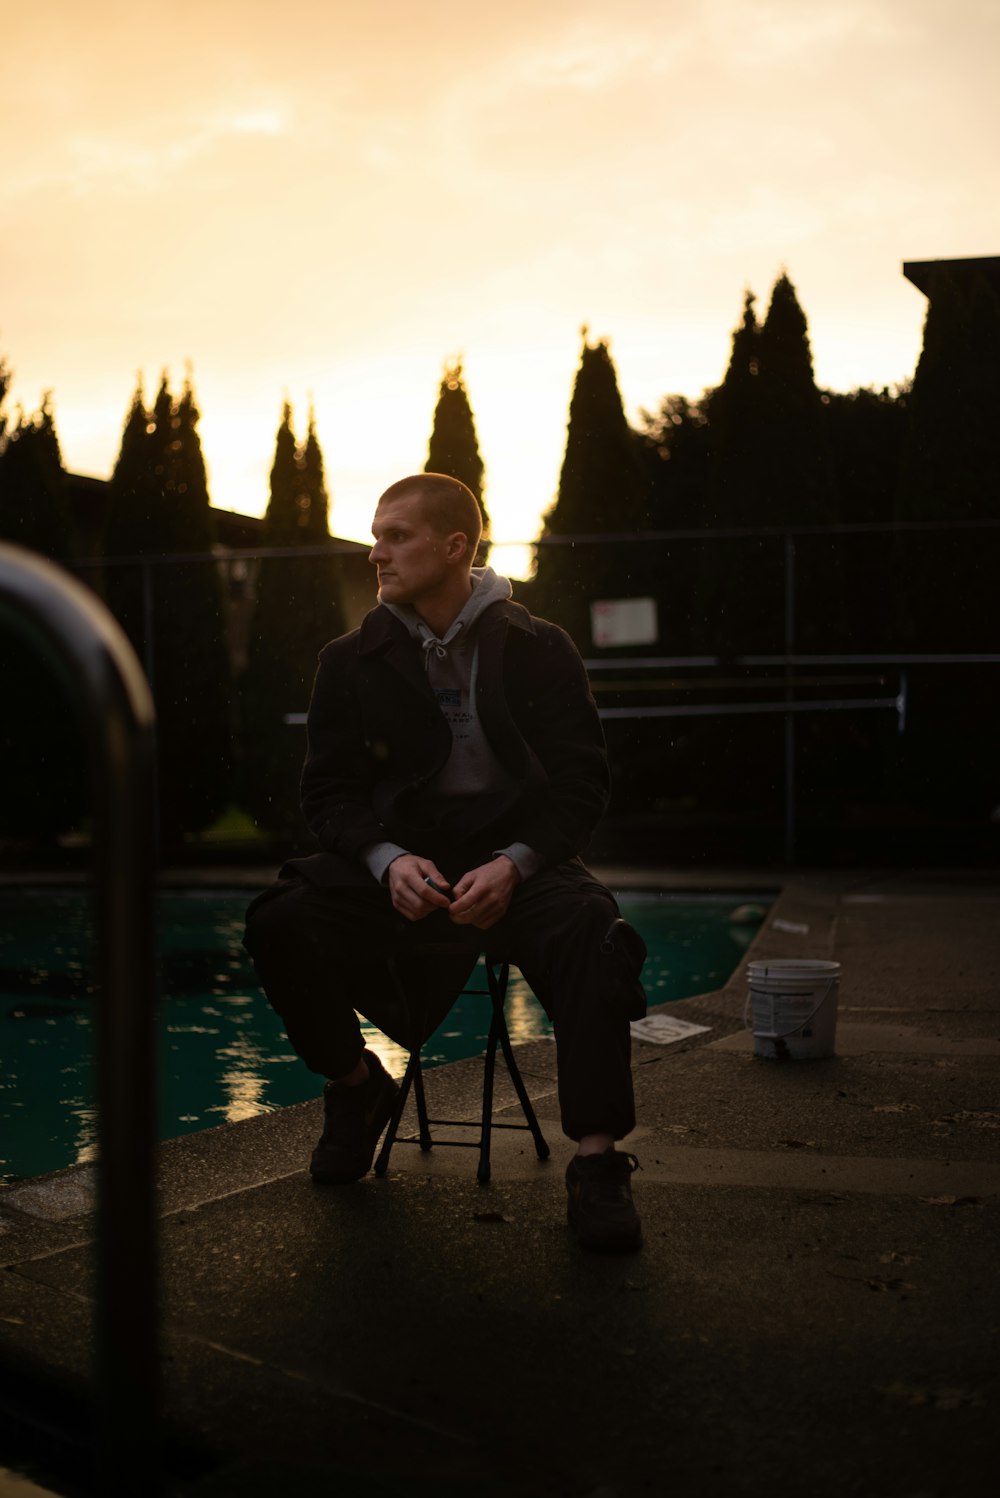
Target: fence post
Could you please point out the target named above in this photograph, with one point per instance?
(789, 717)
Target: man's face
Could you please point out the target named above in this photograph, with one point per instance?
(409, 554)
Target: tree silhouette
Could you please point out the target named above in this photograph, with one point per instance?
(734, 411)
(4, 387)
(314, 498)
(43, 790)
(603, 486)
(173, 611)
(676, 445)
(34, 504)
(298, 609)
(771, 467)
(454, 446)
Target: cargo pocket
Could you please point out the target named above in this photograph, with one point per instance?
(623, 953)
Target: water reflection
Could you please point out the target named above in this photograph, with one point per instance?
(85, 1141)
(242, 1080)
(392, 1056)
(526, 1019)
(224, 1055)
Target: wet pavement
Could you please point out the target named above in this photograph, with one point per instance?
(815, 1309)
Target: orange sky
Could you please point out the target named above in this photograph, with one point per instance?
(330, 200)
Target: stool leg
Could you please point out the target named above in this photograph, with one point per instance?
(423, 1127)
(498, 994)
(382, 1163)
(486, 1129)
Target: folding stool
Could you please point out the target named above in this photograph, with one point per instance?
(497, 975)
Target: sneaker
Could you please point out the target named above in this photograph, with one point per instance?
(600, 1206)
(355, 1117)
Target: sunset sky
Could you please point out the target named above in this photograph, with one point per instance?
(328, 200)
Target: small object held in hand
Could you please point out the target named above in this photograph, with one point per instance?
(435, 886)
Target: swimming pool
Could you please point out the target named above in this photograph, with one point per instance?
(223, 1052)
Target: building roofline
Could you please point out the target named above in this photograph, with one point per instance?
(923, 273)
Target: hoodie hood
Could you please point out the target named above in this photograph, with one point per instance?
(488, 587)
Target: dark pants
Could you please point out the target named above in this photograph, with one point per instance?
(320, 955)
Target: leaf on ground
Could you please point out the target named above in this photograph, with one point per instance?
(952, 1201)
(489, 1217)
(798, 1144)
(895, 1108)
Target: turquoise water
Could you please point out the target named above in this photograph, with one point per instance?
(223, 1053)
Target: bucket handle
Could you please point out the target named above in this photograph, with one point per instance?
(748, 1023)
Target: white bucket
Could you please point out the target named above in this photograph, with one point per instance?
(792, 1008)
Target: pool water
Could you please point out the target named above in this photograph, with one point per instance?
(223, 1053)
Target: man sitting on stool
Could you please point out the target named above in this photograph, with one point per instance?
(455, 769)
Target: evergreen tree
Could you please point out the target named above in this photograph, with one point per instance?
(676, 447)
(866, 430)
(315, 500)
(34, 505)
(454, 446)
(795, 456)
(298, 610)
(286, 517)
(160, 508)
(4, 387)
(771, 459)
(735, 417)
(603, 486)
(771, 467)
(43, 790)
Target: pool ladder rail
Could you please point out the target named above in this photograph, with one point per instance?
(77, 638)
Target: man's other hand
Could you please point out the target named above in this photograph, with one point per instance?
(482, 895)
(411, 895)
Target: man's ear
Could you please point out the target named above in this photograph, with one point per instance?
(457, 546)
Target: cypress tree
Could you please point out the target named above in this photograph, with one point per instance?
(314, 497)
(771, 466)
(603, 486)
(34, 505)
(160, 508)
(298, 609)
(735, 418)
(4, 387)
(43, 790)
(454, 446)
(796, 460)
(771, 461)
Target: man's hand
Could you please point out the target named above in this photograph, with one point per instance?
(482, 895)
(411, 896)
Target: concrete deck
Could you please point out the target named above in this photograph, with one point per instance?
(815, 1310)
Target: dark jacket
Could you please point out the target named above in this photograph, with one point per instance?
(376, 736)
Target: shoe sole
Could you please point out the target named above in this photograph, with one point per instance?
(628, 1240)
(380, 1118)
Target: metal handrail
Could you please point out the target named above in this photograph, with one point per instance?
(77, 637)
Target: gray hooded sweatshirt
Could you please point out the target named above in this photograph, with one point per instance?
(451, 663)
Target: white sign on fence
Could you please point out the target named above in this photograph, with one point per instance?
(624, 621)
